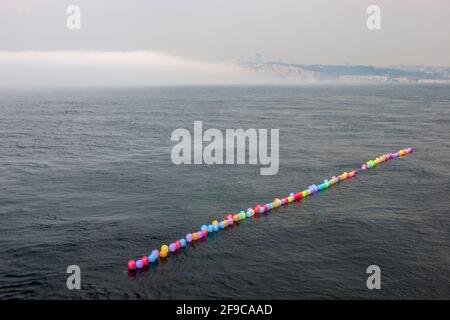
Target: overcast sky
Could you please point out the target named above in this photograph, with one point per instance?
(203, 31)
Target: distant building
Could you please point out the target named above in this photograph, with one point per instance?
(362, 78)
(258, 58)
(438, 81)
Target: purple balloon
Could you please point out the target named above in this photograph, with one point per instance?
(189, 237)
(172, 247)
(139, 264)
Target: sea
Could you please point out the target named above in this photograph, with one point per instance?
(87, 179)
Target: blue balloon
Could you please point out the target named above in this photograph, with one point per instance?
(152, 258)
(221, 225)
(210, 228)
(183, 242)
(216, 227)
(204, 227)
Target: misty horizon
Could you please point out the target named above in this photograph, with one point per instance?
(133, 68)
(147, 43)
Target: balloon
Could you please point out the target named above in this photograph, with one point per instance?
(131, 264)
(145, 260)
(155, 252)
(153, 258)
(172, 247)
(139, 264)
(178, 244)
(189, 237)
(183, 243)
(164, 248)
(163, 254)
(203, 227)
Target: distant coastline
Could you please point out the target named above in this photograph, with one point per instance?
(346, 73)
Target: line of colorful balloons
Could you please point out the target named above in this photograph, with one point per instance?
(385, 157)
(230, 219)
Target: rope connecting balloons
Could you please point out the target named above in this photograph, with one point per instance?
(215, 226)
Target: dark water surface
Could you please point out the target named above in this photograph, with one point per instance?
(86, 178)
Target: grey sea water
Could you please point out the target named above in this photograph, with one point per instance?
(86, 178)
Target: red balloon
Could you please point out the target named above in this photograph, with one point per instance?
(145, 260)
(131, 264)
(178, 244)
